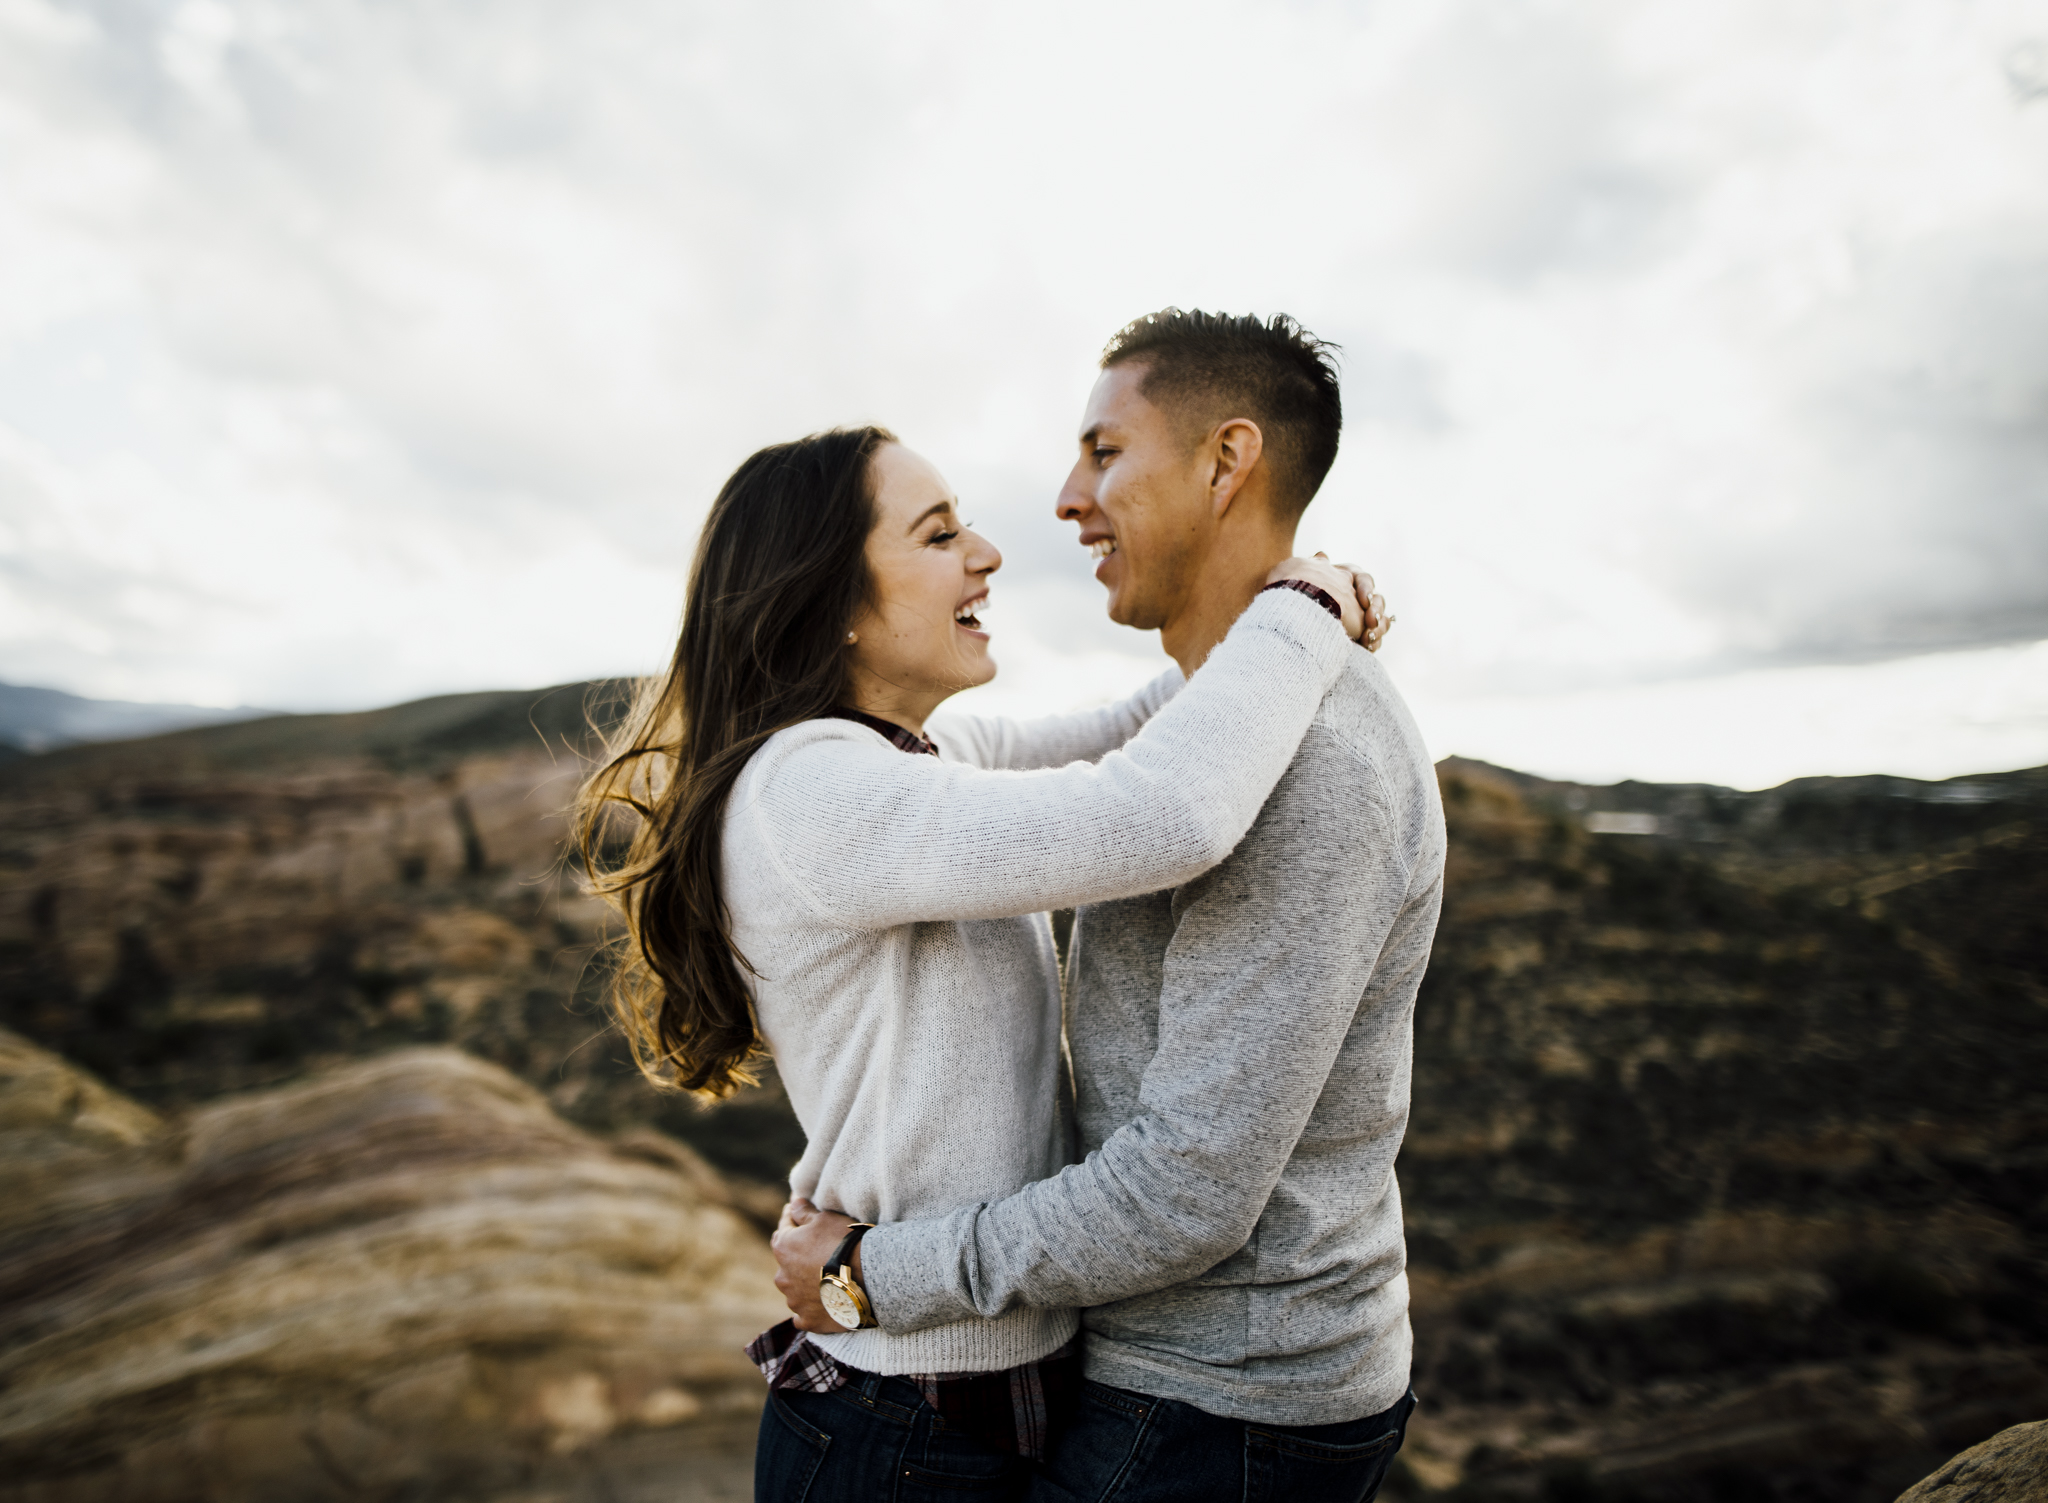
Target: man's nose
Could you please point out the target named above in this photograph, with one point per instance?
(1073, 505)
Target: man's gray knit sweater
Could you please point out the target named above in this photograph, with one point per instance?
(1241, 1050)
(894, 909)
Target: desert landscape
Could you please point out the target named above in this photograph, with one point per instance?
(1727, 1177)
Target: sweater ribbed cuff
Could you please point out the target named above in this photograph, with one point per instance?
(1296, 618)
(922, 1297)
(911, 1272)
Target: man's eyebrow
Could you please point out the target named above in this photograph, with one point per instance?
(1092, 434)
(927, 513)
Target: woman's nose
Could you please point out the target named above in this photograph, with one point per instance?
(987, 559)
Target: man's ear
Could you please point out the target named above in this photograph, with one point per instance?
(1236, 445)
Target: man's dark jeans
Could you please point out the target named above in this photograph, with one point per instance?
(1125, 1447)
(877, 1439)
(873, 1440)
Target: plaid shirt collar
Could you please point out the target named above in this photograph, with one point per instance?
(903, 740)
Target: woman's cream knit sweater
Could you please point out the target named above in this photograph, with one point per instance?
(894, 906)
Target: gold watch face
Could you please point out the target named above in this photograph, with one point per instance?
(839, 1302)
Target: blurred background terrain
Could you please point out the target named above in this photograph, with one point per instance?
(1727, 1176)
(1695, 368)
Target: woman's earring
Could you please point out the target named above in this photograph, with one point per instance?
(851, 637)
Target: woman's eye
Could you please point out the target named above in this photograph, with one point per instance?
(942, 537)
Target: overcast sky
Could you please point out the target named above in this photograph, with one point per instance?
(1696, 356)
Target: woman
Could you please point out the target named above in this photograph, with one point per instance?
(806, 870)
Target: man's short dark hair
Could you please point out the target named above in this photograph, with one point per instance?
(1204, 367)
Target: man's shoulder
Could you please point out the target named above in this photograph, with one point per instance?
(1363, 768)
(1363, 732)
(1361, 782)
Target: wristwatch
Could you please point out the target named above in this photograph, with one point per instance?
(838, 1291)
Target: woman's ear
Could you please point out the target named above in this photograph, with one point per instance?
(1237, 445)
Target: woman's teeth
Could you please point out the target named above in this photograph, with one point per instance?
(970, 615)
(1102, 547)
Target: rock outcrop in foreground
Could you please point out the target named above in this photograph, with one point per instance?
(2011, 1467)
(404, 1277)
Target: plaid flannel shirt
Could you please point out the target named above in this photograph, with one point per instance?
(905, 740)
(1013, 1409)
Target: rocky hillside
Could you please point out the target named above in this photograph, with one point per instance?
(235, 906)
(1728, 1175)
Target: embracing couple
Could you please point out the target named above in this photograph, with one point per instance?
(1149, 1250)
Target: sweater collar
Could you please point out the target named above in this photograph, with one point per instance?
(904, 740)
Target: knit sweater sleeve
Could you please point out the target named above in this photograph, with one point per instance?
(1259, 991)
(1052, 740)
(869, 838)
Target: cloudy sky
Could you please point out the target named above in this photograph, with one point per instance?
(1696, 355)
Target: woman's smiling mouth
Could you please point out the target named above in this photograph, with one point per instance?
(969, 612)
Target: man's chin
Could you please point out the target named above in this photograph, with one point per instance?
(1126, 612)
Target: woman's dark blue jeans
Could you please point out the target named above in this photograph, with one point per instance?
(1126, 1447)
(873, 1441)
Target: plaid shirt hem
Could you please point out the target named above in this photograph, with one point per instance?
(1013, 1409)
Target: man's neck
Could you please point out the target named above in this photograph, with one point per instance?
(1234, 571)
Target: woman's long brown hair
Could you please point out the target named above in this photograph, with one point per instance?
(779, 576)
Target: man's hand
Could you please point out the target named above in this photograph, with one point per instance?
(803, 1240)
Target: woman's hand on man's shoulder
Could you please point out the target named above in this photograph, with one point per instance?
(1362, 608)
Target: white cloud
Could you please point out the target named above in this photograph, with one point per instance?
(348, 353)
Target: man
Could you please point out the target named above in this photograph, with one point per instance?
(1241, 1045)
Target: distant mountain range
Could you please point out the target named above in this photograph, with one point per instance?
(37, 720)
(422, 733)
